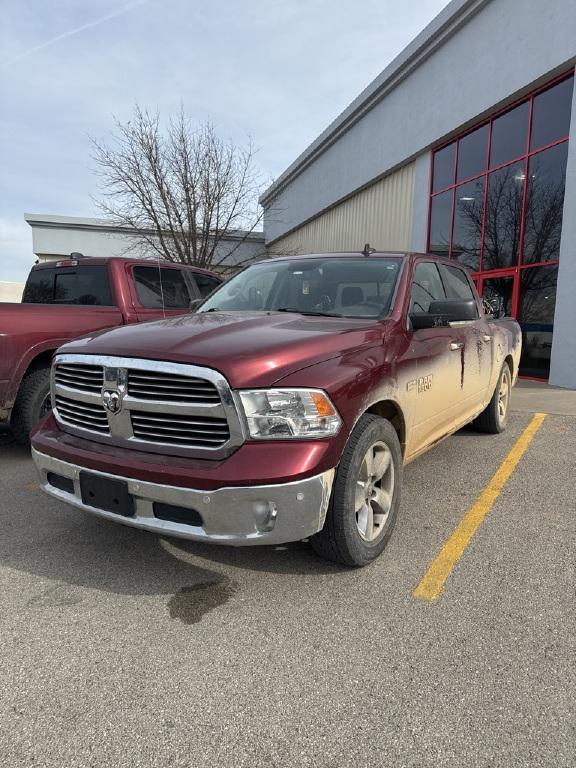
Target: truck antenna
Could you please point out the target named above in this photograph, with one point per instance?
(368, 250)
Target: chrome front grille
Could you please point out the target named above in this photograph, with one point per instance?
(151, 406)
(155, 385)
(84, 378)
(84, 415)
(180, 430)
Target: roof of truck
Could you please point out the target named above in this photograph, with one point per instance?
(94, 260)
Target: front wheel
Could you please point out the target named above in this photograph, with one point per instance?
(32, 404)
(365, 496)
(494, 417)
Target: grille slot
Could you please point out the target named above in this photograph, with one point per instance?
(84, 415)
(85, 378)
(180, 429)
(170, 387)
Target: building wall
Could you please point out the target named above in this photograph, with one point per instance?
(498, 54)
(563, 360)
(380, 215)
(11, 291)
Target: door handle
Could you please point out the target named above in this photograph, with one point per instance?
(454, 345)
(486, 337)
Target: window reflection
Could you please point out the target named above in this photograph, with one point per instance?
(467, 233)
(551, 114)
(509, 134)
(444, 162)
(536, 318)
(498, 291)
(503, 216)
(544, 204)
(440, 223)
(472, 153)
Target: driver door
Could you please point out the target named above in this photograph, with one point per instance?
(435, 392)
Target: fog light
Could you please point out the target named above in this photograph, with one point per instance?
(265, 513)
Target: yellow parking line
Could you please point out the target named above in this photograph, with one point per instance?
(435, 577)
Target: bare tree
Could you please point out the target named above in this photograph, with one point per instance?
(182, 192)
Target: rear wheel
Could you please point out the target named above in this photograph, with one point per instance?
(365, 496)
(494, 417)
(32, 404)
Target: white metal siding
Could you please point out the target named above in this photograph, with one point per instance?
(380, 215)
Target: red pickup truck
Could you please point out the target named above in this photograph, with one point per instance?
(285, 408)
(66, 299)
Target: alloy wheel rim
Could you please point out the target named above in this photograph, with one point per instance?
(503, 397)
(374, 491)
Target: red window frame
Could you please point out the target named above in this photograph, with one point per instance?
(513, 269)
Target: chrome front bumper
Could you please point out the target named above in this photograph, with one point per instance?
(264, 514)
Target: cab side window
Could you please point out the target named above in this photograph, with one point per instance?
(427, 286)
(456, 282)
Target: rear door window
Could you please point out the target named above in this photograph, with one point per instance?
(77, 285)
(162, 287)
(456, 283)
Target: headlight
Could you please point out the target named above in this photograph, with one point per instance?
(289, 413)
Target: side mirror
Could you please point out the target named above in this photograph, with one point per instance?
(444, 312)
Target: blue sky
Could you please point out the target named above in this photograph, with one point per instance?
(276, 70)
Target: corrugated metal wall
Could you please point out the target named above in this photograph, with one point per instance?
(380, 215)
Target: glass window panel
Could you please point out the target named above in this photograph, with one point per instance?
(544, 204)
(39, 287)
(509, 134)
(84, 285)
(551, 114)
(467, 234)
(161, 287)
(498, 291)
(206, 283)
(440, 223)
(472, 153)
(503, 216)
(426, 287)
(444, 162)
(456, 283)
(536, 318)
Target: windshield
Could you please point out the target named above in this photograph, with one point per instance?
(332, 286)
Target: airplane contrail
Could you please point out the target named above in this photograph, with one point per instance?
(72, 32)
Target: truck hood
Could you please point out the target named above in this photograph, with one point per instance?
(249, 348)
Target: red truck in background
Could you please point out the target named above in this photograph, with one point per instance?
(66, 299)
(284, 408)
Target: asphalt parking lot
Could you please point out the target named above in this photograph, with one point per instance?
(120, 648)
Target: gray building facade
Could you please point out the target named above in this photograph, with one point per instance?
(464, 145)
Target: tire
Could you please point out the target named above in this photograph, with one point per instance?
(348, 537)
(494, 417)
(32, 404)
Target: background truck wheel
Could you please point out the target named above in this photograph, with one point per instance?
(32, 404)
(365, 496)
(494, 417)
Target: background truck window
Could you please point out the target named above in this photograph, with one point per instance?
(174, 287)
(63, 285)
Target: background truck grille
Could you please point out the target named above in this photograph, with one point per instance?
(154, 385)
(85, 378)
(80, 414)
(180, 429)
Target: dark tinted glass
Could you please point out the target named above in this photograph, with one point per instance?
(161, 287)
(503, 216)
(444, 162)
(467, 234)
(39, 287)
(498, 291)
(544, 204)
(79, 285)
(509, 134)
(551, 114)
(472, 153)
(536, 318)
(456, 283)
(205, 283)
(440, 223)
(426, 287)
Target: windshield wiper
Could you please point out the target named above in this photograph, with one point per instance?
(310, 313)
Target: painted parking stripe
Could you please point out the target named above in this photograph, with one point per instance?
(435, 577)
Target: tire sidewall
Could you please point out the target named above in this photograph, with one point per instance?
(369, 430)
